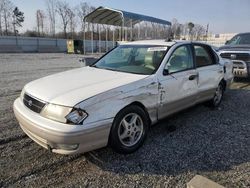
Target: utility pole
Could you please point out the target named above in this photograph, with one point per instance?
(207, 31)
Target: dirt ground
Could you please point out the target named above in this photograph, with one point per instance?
(212, 143)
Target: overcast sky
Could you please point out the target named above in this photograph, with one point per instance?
(224, 16)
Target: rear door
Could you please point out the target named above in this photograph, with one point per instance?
(209, 70)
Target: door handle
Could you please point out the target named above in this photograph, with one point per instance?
(193, 76)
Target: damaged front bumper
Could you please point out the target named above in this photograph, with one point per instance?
(62, 138)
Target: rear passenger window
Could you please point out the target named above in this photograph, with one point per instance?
(203, 57)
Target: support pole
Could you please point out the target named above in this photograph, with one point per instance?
(122, 29)
(152, 30)
(126, 34)
(84, 43)
(106, 42)
(99, 30)
(139, 31)
(92, 39)
(131, 30)
(120, 33)
(113, 37)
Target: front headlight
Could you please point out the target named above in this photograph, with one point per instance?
(56, 112)
(64, 114)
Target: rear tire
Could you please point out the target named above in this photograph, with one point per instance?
(129, 130)
(216, 100)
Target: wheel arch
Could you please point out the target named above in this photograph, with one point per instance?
(142, 106)
(224, 83)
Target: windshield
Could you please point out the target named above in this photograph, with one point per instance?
(133, 59)
(240, 39)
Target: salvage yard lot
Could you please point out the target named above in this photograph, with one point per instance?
(212, 143)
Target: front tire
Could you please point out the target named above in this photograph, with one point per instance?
(129, 130)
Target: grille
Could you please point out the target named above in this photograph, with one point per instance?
(238, 65)
(33, 104)
(238, 56)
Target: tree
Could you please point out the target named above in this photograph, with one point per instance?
(64, 11)
(1, 12)
(72, 22)
(6, 15)
(174, 26)
(40, 17)
(176, 29)
(51, 11)
(18, 19)
(199, 31)
(190, 29)
(82, 10)
(29, 33)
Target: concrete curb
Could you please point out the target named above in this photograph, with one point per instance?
(202, 182)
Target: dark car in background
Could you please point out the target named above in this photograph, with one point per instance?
(238, 50)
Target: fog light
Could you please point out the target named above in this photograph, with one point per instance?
(64, 146)
(68, 146)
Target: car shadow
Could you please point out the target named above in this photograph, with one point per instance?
(198, 139)
(244, 80)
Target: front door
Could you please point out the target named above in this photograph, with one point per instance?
(178, 88)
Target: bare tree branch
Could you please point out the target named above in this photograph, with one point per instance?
(6, 15)
(40, 17)
(51, 10)
(64, 11)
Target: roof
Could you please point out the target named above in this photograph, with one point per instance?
(150, 42)
(162, 42)
(108, 16)
(246, 33)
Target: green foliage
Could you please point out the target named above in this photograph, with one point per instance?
(190, 26)
(18, 18)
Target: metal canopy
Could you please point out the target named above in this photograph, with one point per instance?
(108, 16)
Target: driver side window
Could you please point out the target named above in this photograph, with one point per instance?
(180, 60)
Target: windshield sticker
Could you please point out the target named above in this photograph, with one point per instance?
(157, 49)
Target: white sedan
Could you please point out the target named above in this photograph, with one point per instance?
(116, 100)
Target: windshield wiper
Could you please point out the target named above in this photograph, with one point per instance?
(103, 68)
(108, 69)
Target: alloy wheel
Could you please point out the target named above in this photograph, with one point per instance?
(130, 129)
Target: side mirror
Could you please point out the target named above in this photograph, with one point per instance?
(165, 72)
(227, 42)
(88, 61)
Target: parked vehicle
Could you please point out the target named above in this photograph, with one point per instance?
(238, 50)
(227, 65)
(117, 99)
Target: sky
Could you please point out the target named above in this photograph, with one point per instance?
(223, 16)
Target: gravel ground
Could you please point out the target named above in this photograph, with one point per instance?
(212, 143)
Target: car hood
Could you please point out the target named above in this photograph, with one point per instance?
(235, 47)
(71, 87)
